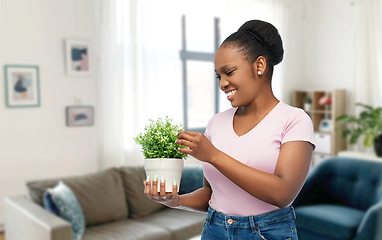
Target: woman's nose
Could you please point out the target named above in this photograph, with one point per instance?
(223, 83)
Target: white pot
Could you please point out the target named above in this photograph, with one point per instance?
(307, 107)
(170, 168)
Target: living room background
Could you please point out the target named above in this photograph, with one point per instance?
(319, 53)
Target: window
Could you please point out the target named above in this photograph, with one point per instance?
(200, 88)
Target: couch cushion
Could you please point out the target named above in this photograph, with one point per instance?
(68, 208)
(100, 195)
(126, 230)
(336, 221)
(139, 204)
(182, 224)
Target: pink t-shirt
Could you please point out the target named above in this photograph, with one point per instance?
(259, 148)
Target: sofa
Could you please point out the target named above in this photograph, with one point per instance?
(114, 207)
(341, 199)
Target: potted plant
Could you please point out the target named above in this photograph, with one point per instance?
(162, 156)
(368, 123)
(307, 101)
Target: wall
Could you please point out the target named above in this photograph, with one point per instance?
(35, 142)
(329, 46)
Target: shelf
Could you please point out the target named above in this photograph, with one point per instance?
(319, 111)
(328, 142)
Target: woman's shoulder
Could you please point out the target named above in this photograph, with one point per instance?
(290, 113)
(227, 112)
(291, 110)
(223, 116)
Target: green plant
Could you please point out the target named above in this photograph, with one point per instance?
(307, 100)
(158, 139)
(368, 123)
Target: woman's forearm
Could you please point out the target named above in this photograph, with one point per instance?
(278, 189)
(196, 201)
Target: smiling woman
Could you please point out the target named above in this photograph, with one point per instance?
(255, 155)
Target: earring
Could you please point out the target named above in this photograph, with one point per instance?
(259, 72)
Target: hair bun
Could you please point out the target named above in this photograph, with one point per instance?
(268, 35)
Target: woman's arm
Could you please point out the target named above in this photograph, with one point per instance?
(278, 189)
(194, 201)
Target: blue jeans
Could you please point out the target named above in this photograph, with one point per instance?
(275, 225)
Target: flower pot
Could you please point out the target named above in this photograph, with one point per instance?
(170, 168)
(378, 145)
(307, 107)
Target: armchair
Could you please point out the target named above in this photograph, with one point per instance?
(341, 199)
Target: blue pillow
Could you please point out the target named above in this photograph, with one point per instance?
(49, 204)
(68, 208)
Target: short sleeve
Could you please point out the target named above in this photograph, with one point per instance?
(207, 133)
(299, 127)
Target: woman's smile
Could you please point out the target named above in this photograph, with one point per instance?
(230, 94)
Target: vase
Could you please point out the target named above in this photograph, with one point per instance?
(170, 168)
(378, 145)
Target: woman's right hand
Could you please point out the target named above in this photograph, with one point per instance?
(170, 199)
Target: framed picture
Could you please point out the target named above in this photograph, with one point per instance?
(78, 57)
(22, 87)
(77, 116)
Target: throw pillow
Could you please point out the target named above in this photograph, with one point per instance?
(68, 208)
(49, 204)
(139, 204)
(101, 194)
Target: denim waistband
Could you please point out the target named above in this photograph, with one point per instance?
(253, 221)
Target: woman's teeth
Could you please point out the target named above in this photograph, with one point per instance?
(230, 93)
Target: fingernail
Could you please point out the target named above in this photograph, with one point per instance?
(155, 178)
(162, 179)
(148, 179)
(174, 183)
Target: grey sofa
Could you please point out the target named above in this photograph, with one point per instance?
(113, 205)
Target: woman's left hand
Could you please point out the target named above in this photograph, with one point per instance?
(198, 145)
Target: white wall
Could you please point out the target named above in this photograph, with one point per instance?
(327, 59)
(35, 142)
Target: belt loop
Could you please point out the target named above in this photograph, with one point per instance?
(293, 212)
(209, 214)
(252, 222)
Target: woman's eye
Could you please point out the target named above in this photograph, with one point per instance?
(218, 77)
(229, 73)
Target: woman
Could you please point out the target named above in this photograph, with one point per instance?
(256, 155)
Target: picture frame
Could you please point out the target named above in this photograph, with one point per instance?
(22, 86)
(78, 116)
(78, 57)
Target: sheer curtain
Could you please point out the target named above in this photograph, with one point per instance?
(368, 61)
(139, 68)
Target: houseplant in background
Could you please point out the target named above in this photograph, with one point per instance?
(307, 101)
(368, 123)
(162, 156)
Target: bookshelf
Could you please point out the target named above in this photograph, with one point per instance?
(326, 105)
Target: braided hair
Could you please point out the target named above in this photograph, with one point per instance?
(257, 38)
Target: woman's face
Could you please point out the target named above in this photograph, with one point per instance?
(236, 77)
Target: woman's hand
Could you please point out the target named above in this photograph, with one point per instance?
(198, 145)
(170, 199)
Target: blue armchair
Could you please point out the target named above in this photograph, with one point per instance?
(341, 199)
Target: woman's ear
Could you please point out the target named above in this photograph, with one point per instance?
(260, 65)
